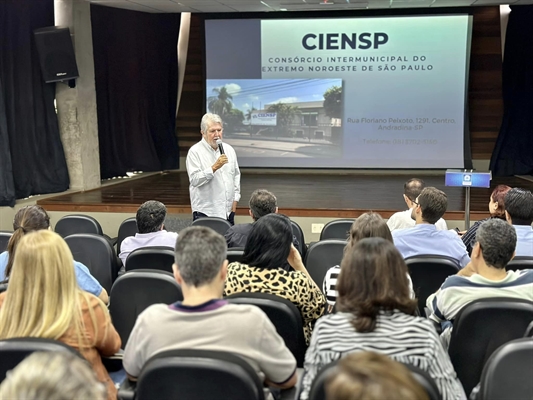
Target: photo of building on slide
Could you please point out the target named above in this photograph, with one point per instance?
(279, 117)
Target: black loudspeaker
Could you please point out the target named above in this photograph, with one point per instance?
(56, 54)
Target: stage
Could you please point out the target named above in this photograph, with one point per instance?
(300, 194)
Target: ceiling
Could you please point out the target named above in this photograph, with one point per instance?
(216, 6)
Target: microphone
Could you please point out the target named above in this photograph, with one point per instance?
(219, 144)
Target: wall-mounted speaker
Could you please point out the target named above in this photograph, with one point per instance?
(56, 54)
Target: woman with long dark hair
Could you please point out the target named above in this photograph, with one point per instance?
(377, 313)
(268, 248)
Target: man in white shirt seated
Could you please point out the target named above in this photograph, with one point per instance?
(214, 175)
(484, 277)
(204, 321)
(151, 230)
(424, 238)
(519, 213)
(402, 219)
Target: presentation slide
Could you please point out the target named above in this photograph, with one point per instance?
(387, 92)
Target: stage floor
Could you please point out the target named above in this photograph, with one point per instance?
(299, 194)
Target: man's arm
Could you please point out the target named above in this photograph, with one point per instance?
(237, 184)
(199, 176)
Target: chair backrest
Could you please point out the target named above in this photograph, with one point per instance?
(284, 315)
(235, 254)
(425, 380)
(219, 225)
(480, 328)
(127, 228)
(4, 239)
(323, 255)
(337, 229)
(198, 374)
(299, 234)
(13, 351)
(95, 252)
(509, 371)
(520, 262)
(428, 273)
(152, 257)
(77, 223)
(318, 392)
(135, 291)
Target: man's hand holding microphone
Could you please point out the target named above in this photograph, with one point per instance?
(223, 159)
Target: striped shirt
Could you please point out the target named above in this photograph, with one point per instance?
(329, 286)
(402, 337)
(458, 291)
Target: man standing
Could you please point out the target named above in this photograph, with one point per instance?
(519, 213)
(424, 238)
(150, 220)
(214, 175)
(402, 219)
(203, 321)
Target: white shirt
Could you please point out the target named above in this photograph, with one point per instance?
(403, 220)
(524, 240)
(159, 238)
(213, 193)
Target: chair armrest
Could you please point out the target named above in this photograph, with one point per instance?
(127, 390)
(113, 363)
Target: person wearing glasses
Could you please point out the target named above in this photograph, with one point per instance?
(402, 219)
(424, 238)
(214, 175)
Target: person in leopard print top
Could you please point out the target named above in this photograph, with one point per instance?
(267, 248)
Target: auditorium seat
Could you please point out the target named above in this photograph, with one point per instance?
(135, 291)
(77, 223)
(13, 351)
(520, 262)
(235, 254)
(195, 375)
(321, 256)
(95, 252)
(480, 328)
(283, 314)
(508, 374)
(428, 273)
(299, 234)
(219, 225)
(4, 239)
(127, 228)
(152, 258)
(317, 391)
(337, 229)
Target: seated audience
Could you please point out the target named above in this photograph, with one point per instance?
(402, 219)
(485, 276)
(268, 247)
(262, 202)
(372, 376)
(424, 238)
(376, 313)
(34, 218)
(52, 376)
(369, 224)
(205, 322)
(519, 213)
(43, 300)
(496, 210)
(151, 230)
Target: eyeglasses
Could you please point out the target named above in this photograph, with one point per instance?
(215, 130)
(414, 201)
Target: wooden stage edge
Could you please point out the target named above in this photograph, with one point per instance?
(335, 195)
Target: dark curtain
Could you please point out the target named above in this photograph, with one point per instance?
(513, 153)
(136, 68)
(31, 154)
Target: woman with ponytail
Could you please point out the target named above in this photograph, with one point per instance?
(35, 218)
